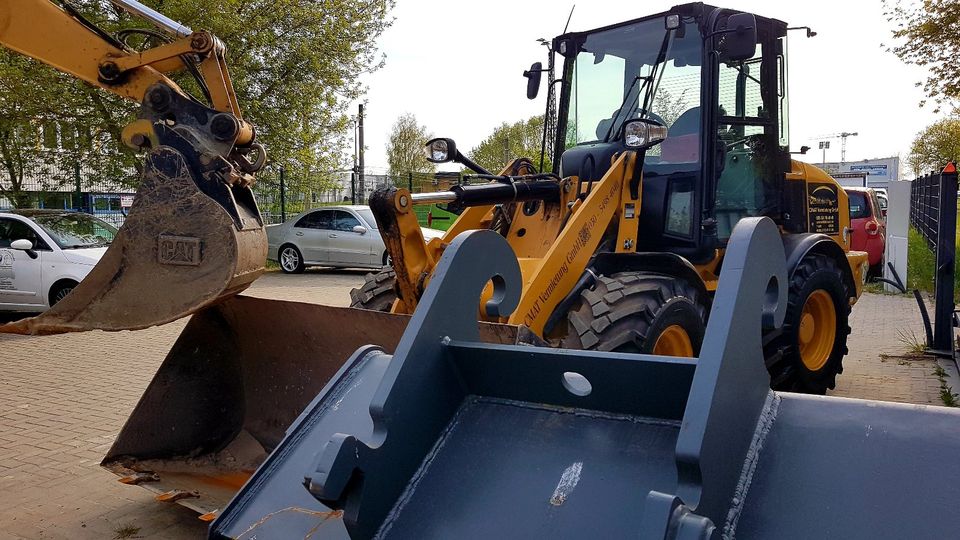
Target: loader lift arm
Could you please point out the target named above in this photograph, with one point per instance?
(194, 234)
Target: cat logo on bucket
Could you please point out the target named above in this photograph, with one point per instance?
(179, 250)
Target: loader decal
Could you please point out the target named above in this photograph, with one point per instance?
(583, 239)
(824, 210)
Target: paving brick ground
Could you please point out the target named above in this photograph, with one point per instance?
(64, 398)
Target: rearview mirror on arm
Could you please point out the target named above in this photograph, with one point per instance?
(738, 41)
(533, 79)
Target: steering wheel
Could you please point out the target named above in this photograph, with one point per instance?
(642, 113)
(605, 124)
(743, 140)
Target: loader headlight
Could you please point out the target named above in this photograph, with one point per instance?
(440, 150)
(643, 133)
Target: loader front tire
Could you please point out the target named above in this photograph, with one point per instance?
(808, 354)
(377, 293)
(639, 312)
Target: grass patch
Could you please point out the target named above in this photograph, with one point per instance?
(922, 265)
(125, 530)
(442, 220)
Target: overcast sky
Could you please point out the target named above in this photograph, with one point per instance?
(457, 66)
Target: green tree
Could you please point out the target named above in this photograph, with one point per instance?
(523, 138)
(668, 106)
(295, 66)
(405, 147)
(925, 35)
(935, 146)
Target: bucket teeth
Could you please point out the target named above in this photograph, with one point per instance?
(139, 478)
(175, 495)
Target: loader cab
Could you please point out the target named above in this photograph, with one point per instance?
(726, 152)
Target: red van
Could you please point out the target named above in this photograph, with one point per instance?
(868, 224)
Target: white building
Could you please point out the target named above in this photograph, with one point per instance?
(879, 171)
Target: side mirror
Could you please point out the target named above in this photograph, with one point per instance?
(738, 41)
(24, 245)
(642, 133)
(440, 150)
(359, 229)
(533, 79)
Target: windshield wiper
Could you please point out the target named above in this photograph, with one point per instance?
(626, 98)
(647, 98)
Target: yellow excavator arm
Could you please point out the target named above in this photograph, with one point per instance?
(194, 234)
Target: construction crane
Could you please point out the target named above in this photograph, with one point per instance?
(843, 143)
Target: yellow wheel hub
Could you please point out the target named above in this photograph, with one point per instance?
(673, 341)
(818, 330)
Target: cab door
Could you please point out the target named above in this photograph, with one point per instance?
(21, 285)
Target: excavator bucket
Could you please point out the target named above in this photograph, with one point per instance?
(179, 250)
(235, 380)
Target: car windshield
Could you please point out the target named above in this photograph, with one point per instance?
(633, 71)
(858, 205)
(73, 231)
(367, 216)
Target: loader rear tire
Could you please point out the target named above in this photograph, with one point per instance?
(377, 293)
(639, 312)
(808, 353)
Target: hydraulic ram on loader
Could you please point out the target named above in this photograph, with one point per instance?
(453, 438)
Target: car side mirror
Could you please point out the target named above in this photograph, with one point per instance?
(738, 41)
(25, 246)
(359, 229)
(533, 79)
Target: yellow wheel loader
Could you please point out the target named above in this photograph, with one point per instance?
(671, 129)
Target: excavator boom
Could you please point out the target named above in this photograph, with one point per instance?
(194, 234)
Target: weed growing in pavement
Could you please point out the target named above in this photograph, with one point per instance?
(911, 341)
(947, 396)
(124, 531)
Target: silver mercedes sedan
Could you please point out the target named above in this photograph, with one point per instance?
(338, 236)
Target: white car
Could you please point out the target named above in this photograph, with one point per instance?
(338, 236)
(44, 254)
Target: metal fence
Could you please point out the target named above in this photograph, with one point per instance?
(95, 184)
(933, 213)
(283, 192)
(55, 180)
(925, 207)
